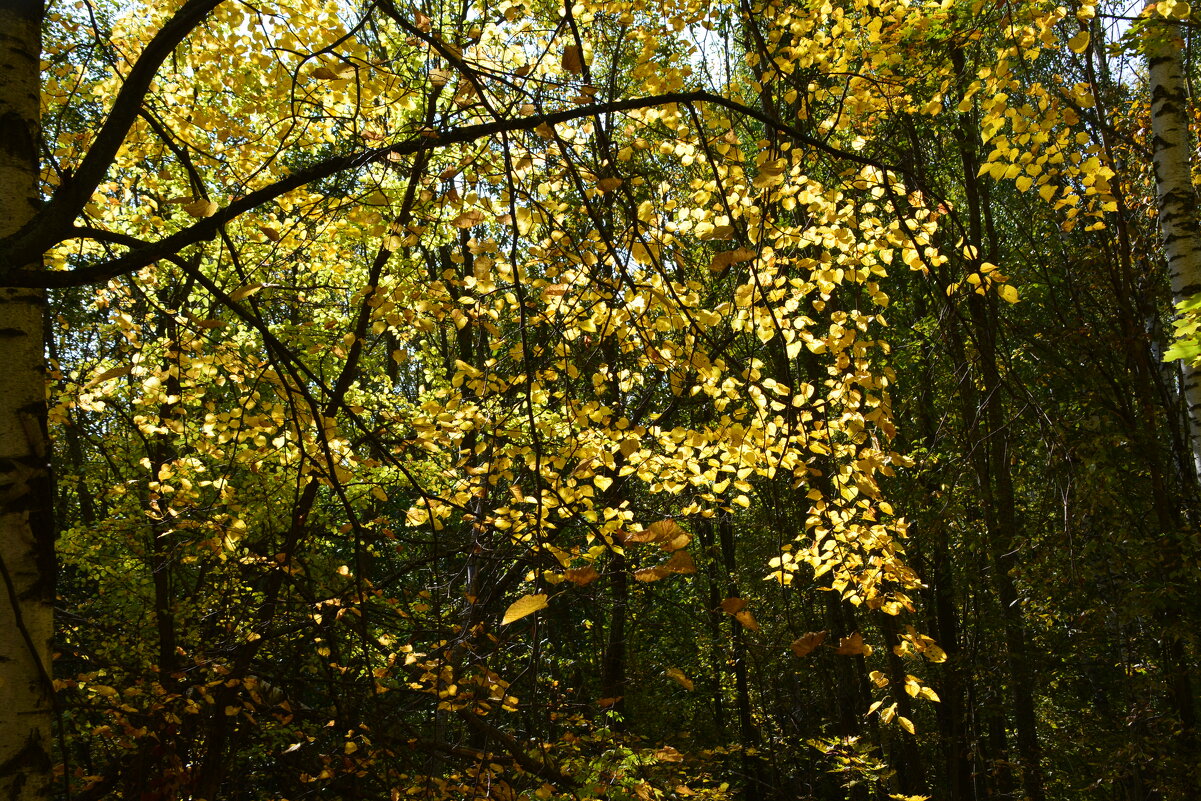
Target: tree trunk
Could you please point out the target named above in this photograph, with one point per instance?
(1174, 193)
(26, 496)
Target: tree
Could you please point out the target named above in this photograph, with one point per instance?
(432, 390)
(462, 131)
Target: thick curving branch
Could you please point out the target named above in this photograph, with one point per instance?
(27, 248)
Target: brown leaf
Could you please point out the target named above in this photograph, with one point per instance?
(669, 754)
(732, 606)
(609, 184)
(572, 59)
(662, 531)
(809, 643)
(681, 562)
(649, 574)
(582, 575)
(677, 675)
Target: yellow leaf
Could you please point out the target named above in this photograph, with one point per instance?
(853, 645)
(934, 653)
(116, 372)
(609, 184)
(245, 291)
(716, 232)
(732, 606)
(523, 607)
(906, 724)
(747, 620)
(1007, 293)
(677, 675)
(272, 234)
(200, 208)
(1079, 42)
(468, 219)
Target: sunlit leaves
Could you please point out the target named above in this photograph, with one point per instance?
(523, 607)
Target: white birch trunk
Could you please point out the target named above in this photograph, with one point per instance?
(26, 529)
(1175, 195)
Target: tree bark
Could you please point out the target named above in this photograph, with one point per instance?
(26, 496)
(1175, 195)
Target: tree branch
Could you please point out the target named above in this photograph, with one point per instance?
(47, 226)
(26, 248)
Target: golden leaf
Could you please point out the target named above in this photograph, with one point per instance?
(115, 372)
(747, 620)
(662, 531)
(677, 675)
(732, 606)
(649, 574)
(853, 645)
(681, 562)
(200, 208)
(581, 575)
(468, 219)
(678, 542)
(669, 754)
(244, 291)
(806, 645)
(523, 607)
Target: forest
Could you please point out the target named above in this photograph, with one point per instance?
(581, 400)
